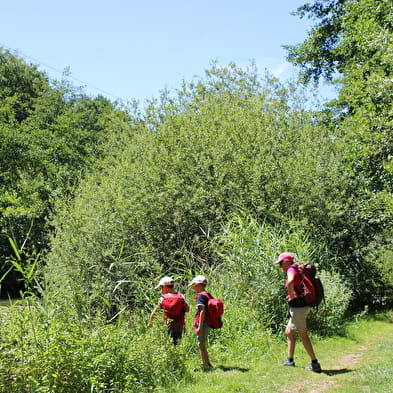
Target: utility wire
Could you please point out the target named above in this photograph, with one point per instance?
(38, 62)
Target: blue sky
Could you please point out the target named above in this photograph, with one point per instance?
(130, 49)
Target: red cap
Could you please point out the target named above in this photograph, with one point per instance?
(285, 256)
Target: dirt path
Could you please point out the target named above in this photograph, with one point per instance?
(358, 361)
(343, 365)
(346, 364)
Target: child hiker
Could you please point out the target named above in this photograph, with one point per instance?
(174, 306)
(200, 326)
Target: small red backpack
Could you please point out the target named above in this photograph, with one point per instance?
(174, 308)
(215, 309)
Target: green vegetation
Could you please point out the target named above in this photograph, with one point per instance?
(98, 200)
(359, 361)
(45, 353)
(49, 137)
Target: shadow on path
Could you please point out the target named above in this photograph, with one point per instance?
(331, 373)
(225, 368)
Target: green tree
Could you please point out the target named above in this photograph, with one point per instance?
(223, 143)
(317, 56)
(353, 43)
(20, 85)
(50, 136)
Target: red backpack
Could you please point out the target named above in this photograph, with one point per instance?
(215, 309)
(311, 288)
(174, 308)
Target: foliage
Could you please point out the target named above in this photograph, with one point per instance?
(20, 85)
(366, 94)
(46, 351)
(171, 177)
(358, 36)
(49, 137)
(248, 250)
(333, 312)
(317, 55)
(24, 264)
(224, 143)
(363, 49)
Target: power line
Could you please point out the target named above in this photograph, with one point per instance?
(38, 62)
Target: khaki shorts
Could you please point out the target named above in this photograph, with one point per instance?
(206, 329)
(298, 317)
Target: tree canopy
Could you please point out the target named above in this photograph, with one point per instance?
(352, 44)
(50, 135)
(117, 194)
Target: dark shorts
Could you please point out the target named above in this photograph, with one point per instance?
(175, 334)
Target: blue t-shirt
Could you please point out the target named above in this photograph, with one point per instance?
(202, 300)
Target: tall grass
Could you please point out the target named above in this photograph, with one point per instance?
(46, 351)
(49, 345)
(251, 280)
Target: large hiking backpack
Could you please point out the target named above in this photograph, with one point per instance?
(311, 288)
(215, 309)
(174, 308)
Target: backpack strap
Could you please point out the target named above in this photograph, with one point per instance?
(298, 301)
(207, 294)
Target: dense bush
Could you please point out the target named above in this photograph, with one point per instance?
(248, 250)
(44, 351)
(51, 347)
(225, 143)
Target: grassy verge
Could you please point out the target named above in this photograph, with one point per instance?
(369, 365)
(360, 361)
(42, 353)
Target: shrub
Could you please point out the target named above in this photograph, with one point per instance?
(331, 314)
(44, 351)
(248, 250)
(223, 143)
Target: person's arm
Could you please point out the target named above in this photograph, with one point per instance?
(202, 314)
(152, 315)
(291, 285)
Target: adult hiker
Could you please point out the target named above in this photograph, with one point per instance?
(298, 312)
(201, 328)
(174, 305)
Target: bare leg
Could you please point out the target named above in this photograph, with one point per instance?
(291, 340)
(307, 343)
(204, 354)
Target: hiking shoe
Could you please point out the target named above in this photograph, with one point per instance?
(316, 367)
(288, 363)
(206, 368)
